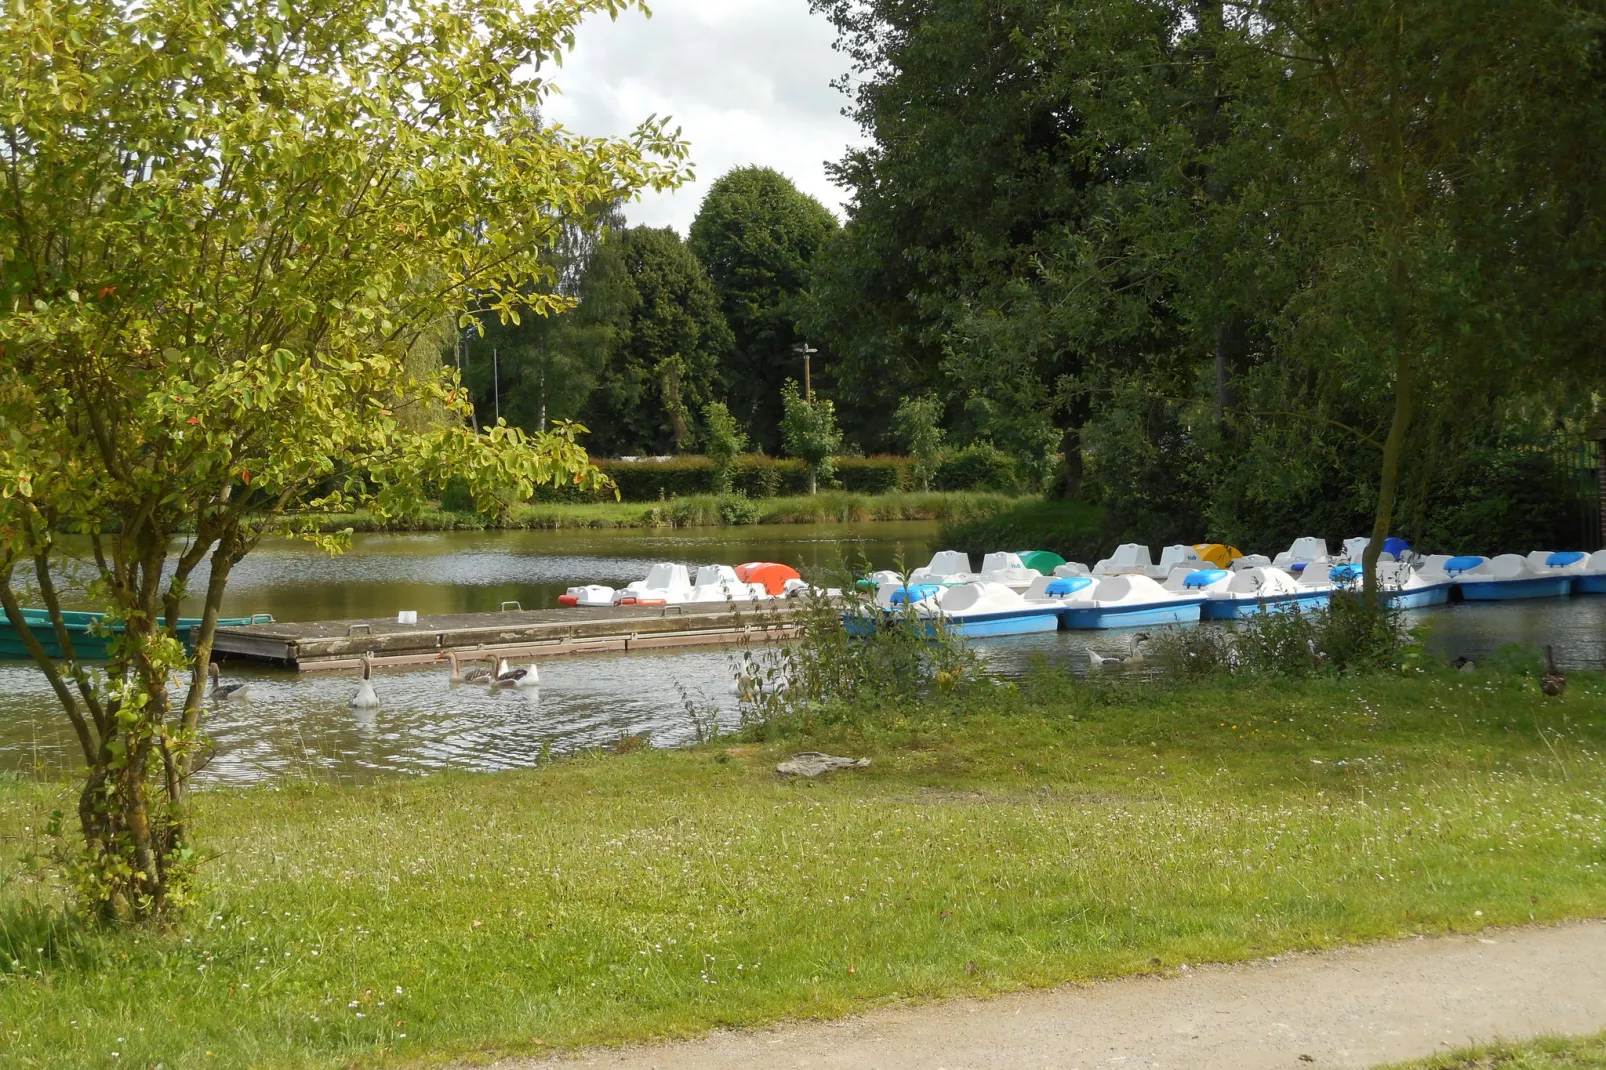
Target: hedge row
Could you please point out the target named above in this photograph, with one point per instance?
(757, 476)
(975, 468)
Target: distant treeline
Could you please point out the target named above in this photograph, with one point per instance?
(1239, 271)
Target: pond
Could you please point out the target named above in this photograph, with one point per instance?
(300, 724)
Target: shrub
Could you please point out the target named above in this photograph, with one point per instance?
(456, 497)
(874, 475)
(1074, 530)
(982, 466)
(723, 441)
(738, 509)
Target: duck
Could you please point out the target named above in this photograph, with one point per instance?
(221, 690)
(1553, 683)
(1133, 656)
(481, 675)
(365, 698)
(523, 676)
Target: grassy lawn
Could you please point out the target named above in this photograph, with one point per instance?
(698, 511)
(1010, 837)
(1550, 1054)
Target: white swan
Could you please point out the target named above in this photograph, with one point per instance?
(365, 698)
(481, 675)
(523, 676)
(221, 690)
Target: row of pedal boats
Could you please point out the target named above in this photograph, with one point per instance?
(1023, 593)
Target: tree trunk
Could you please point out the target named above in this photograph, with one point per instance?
(813, 480)
(1394, 445)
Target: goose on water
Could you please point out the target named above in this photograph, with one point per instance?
(365, 698)
(1133, 656)
(523, 676)
(479, 675)
(1553, 683)
(220, 689)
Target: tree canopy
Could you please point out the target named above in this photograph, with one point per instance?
(667, 346)
(1271, 264)
(758, 235)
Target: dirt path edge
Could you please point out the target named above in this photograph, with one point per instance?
(1352, 1007)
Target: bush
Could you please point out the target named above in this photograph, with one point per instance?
(979, 467)
(649, 481)
(455, 496)
(1074, 530)
(738, 509)
(875, 475)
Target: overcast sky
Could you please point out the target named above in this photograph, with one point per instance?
(747, 81)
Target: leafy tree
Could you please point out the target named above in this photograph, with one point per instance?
(225, 227)
(758, 235)
(723, 442)
(810, 433)
(918, 425)
(664, 356)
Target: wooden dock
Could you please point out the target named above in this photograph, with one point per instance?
(312, 646)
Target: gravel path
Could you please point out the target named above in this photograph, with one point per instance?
(1351, 1008)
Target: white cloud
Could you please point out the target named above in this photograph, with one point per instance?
(746, 80)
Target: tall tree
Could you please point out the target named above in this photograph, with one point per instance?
(667, 346)
(544, 367)
(759, 235)
(223, 226)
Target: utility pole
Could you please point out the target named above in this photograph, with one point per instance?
(804, 350)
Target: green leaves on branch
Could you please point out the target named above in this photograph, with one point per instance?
(226, 227)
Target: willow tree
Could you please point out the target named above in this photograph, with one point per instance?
(224, 224)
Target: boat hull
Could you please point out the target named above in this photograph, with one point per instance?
(87, 645)
(991, 625)
(1504, 590)
(1239, 608)
(969, 626)
(1139, 616)
(1420, 598)
(1589, 584)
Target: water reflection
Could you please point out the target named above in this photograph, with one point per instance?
(472, 572)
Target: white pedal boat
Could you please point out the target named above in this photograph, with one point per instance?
(1401, 586)
(1134, 559)
(947, 567)
(1128, 602)
(1591, 579)
(1304, 553)
(1484, 579)
(1009, 570)
(1574, 564)
(592, 594)
(981, 610)
(1264, 589)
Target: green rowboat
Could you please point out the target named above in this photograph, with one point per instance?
(89, 638)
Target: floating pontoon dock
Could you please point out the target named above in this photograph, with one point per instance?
(313, 646)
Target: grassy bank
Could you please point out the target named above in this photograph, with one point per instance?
(1074, 530)
(1587, 1053)
(1013, 836)
(830, 507)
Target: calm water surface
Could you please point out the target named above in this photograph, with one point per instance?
(300, 724)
